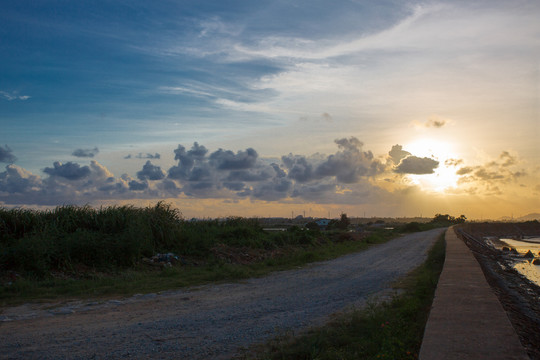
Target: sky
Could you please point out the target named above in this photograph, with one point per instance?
(272, 108)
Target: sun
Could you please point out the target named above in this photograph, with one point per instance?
(444, 176)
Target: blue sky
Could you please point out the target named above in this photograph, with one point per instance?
(98, 99)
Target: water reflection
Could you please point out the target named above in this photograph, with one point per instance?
(522, 265)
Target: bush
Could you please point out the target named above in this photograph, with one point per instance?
(411, 227)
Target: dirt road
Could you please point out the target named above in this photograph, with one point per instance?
(209, 322)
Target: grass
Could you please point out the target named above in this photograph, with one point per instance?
(389, 330)
(144, 280)
(80, 252)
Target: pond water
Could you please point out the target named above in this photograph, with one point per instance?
(525, 266)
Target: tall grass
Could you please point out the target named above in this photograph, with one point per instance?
(36, 242)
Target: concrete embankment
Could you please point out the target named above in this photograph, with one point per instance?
(466, 320)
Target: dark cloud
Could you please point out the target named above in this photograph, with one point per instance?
(223, 172)
(397, 153)
(486, 175)
(279, 171)
(69, 170)
(85, 153)
(227, 160)
(150, 172)
(197, 153)
(507, 159)
(274, 190)
(170, 187)
(72, 184)
(250, 175)
(416, 165)
(17, 180)
(313, 191)
(6, 155)
(199, 173)
(299, 169)
(349, 164)
(235, 186)
(148, 156)
(144, 156)
(453, 162)
(186, 161)
(465, 170)
(135, 185)
(437, 123)
(112, 187)
(342, 176)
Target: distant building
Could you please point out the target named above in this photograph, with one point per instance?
(322, 223)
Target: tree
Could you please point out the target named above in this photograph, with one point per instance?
(447, 219)
(343, 222)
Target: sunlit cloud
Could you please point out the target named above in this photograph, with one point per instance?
(505, 170)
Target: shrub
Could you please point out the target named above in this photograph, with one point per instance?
(411, 227)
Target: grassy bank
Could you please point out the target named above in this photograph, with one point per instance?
(84, 252)
(391, 330)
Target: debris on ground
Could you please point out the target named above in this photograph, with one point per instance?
(163, 260)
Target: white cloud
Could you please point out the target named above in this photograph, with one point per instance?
(10, 96)
(184, 90)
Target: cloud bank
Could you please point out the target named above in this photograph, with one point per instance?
(344, 176)
(349, 176)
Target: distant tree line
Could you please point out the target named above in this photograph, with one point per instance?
(447, 219)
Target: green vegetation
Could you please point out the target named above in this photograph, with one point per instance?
(438, 221)
(341, 224)
(85, 252)
(448, 220)
(390, 330)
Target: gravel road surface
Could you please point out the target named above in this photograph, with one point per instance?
(213, 321)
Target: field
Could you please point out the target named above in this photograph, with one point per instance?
(87, 252)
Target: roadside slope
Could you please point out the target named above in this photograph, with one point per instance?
(214, 321)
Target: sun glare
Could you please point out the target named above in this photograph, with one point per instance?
(444, 176)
